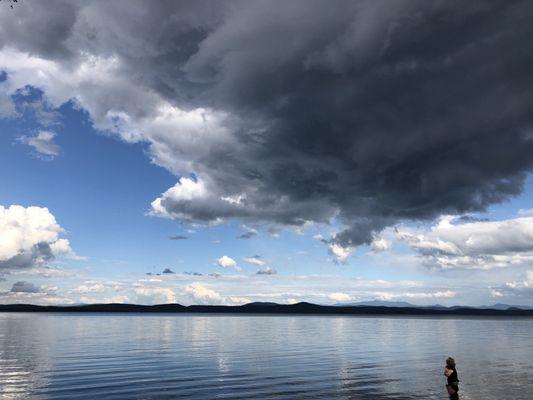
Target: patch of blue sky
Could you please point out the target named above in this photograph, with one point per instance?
(100, 188)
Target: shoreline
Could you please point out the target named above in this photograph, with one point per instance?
(284, 309)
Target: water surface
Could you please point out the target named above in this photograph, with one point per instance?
(204, 356)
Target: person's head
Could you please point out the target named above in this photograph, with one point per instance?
(450, 362)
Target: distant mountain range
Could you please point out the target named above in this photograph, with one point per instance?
(383, 303)
(368, 308)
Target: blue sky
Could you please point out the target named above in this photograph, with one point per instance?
(143, 170)
(99, 189)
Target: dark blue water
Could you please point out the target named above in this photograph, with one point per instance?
(140, 356)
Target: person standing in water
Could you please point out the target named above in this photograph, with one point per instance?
(453, 380)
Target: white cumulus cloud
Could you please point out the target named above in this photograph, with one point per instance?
(203, 295)
(154, 295)
(473, 245)
(380, 244)
(90, 287)
(339, 297)
(30, 236)
(200, 294)
(226, 262)
(340, 253)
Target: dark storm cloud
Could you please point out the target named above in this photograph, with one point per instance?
(368, 111)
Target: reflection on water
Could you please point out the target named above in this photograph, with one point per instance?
(139, 356)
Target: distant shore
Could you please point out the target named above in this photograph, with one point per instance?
(270, 308)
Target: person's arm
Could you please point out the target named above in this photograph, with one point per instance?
(447, 372)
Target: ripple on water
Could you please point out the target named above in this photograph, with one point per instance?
(136, 356)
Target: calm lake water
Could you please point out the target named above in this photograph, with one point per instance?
(145, 356)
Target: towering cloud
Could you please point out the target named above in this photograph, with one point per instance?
(370, 112)
(30, 237)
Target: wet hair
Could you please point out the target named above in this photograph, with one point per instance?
(450, 362)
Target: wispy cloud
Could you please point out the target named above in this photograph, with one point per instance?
(250, 233)
(255, 260)
(43, 143)
(525, 211)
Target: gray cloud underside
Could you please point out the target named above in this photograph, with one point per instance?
(267, 271)
(168, 271)
(368, 111)
(25, 287)
(38, 254)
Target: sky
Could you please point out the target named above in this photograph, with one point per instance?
(224, 152)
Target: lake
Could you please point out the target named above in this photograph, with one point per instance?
(206, 356)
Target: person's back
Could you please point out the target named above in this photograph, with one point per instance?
(453, 379)
(453, 376)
